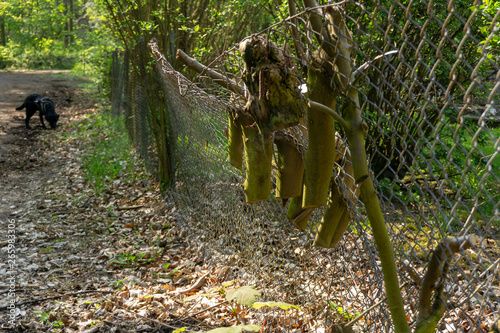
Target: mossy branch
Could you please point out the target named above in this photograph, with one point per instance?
(339, 53)
(258, 157)
(323, 108)
(274, 101)
(430, 314)
(290, 163)
(320, 154)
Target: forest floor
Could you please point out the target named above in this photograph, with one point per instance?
(77, 257)
(84, 261)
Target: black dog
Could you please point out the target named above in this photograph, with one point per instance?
(36, 102)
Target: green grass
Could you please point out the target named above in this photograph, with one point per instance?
(108, 153)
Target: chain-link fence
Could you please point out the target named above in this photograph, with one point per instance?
(428, 84)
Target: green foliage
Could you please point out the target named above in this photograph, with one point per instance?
(45, 34)
(465, 153)
(244, 295)
(98, 167)
(6, 59)
(281, 305)
(109, 155)
(433, 49)
(200, 28)
(130, 260)
(50, 54)
(489, 46)
(95, 63)
(117, 284)
(491, 40)
(345, 315)
(44, 316)
(179, 330)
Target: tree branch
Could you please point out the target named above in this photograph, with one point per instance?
(320, 32)
(433, 283)
(299, 47)
(202, 69)
(323, 108)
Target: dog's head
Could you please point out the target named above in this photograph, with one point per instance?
(52, 118)
(46, 106)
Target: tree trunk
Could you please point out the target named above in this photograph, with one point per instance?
(3, 39)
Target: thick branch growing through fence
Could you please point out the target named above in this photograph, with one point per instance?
(337, 47)
(218, 78)
(343, 193)
(433, 284)
(290, 163)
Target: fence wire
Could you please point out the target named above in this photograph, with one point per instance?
(429, 91)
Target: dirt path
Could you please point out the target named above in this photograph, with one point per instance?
(72, 261)
(20, 163)
(25, 172)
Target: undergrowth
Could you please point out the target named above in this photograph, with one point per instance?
(108, 154)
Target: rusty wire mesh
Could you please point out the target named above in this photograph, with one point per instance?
(433, 123)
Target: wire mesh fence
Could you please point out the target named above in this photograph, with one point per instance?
(428, 82)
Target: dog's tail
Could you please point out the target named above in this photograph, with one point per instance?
(19, 108)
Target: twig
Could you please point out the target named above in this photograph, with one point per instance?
(20, 286)
(482, 275)
(263, 325)
(364, 67)
(492, 266)
(56, 206)
(110, 323)
(130, 207)
(335, 115)
(56, 297)
(413, 274)
(197, 285)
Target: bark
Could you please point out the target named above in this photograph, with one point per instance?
(320, 154)
(235, 141)
(338, 213)
(274, 101)
(217, 77)
(290, 164)
(356, 139)
(258, 157)
(333, 214)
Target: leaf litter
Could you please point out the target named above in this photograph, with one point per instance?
(96, 263)
(115, 259)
